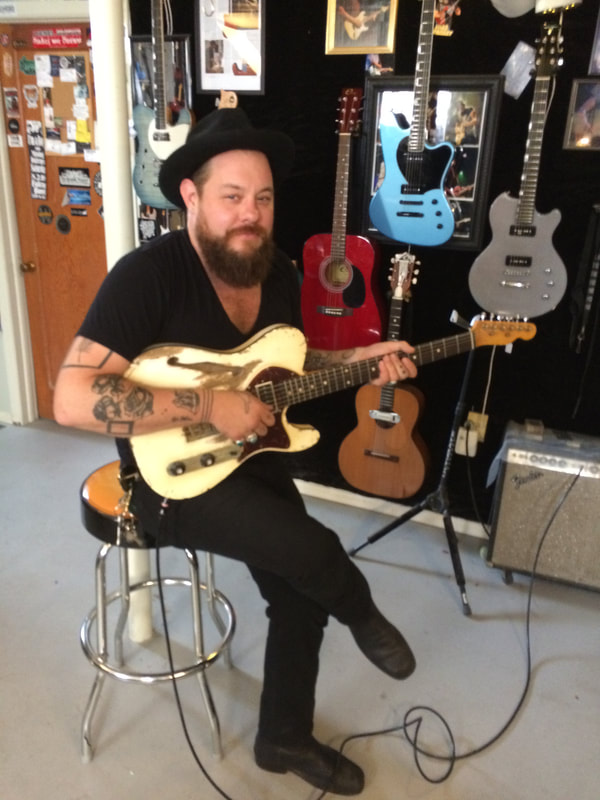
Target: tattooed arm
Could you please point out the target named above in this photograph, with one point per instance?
(391, 367)
(91, 393)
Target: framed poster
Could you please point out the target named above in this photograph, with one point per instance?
(360, 26)
(583, 121)
(462, 111)
(230, 45)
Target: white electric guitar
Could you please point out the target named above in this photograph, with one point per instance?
(157, 139)
(184, 462)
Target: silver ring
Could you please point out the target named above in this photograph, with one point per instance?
(252, 439)
(239, 442)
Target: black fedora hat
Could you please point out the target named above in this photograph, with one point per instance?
(222, 130)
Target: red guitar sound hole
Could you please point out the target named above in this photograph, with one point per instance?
(335, 274)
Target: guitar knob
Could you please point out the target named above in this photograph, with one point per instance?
(176, 468)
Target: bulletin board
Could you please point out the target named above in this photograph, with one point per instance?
(64, 83)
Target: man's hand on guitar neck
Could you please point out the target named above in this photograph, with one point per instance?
(392, 367)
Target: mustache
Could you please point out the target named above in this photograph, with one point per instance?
(257, 230)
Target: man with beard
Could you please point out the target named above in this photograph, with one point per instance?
(215, 285)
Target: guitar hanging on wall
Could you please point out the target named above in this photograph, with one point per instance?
(156, 138)
(520, 273)
(185, 462)
(410, 205)
(384, 455)
(341, 306)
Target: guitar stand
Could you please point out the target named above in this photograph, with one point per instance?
(438, 499)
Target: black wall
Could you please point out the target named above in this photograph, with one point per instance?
(542, 379)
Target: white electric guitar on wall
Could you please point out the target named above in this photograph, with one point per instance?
(157, 139)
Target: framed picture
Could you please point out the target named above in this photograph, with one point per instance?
(230, 46)
(360, 26)
(461, 111)
(594, 68)
(583, 121)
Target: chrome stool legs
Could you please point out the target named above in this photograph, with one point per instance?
(219, 608)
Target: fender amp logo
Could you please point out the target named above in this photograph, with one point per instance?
(522, 480)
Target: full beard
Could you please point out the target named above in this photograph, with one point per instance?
(240, 270)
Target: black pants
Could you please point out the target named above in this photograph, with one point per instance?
(257, 516)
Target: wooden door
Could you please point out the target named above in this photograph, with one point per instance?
(46, 76)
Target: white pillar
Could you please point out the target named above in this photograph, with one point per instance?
(109, 40)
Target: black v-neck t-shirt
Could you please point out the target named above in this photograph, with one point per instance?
(161, 294)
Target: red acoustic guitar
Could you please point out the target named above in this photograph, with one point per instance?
(341, 306)
(384, 455)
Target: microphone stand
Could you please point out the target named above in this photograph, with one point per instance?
(438, 499)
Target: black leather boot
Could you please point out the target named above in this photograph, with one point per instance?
(384, 645)
(315, 763)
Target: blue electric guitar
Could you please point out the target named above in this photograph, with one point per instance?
(410, 205)
(520, 273)
(157, 139)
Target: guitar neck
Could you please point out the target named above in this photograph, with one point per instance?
(548, 59)
(333, 379)
(158, 50)
(533, 151)
(416, 139)
(340, 210)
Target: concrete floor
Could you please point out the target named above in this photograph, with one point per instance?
(471, 671)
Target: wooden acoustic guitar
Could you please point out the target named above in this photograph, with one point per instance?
(410, 205)
(384, 455)
(520, 274)
(184, 462)
(341, 305)
(156, 137)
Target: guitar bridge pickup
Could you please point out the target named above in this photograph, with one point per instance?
(515, 284)
(384, 416)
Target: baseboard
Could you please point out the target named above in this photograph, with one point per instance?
(380, 506)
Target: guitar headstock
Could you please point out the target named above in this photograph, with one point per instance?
(350, 109)
(550, 47)
(500, 332)
(227, 100)
(403, 275)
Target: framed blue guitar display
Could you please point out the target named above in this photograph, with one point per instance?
(435, 193)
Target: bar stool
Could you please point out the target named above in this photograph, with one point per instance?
(105, 496)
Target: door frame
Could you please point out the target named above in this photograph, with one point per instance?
(111, 24)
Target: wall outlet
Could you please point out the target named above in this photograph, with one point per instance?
(466, 442)
(478, 423)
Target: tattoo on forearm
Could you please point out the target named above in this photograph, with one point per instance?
(320, 359)
(119, 405)
(186, 399)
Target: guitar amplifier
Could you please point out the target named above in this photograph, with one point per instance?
(547, 488)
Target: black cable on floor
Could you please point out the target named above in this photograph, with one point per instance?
(414, 717)
(163, 509)
(411, 721)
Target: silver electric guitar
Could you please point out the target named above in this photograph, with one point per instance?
(520, 274)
